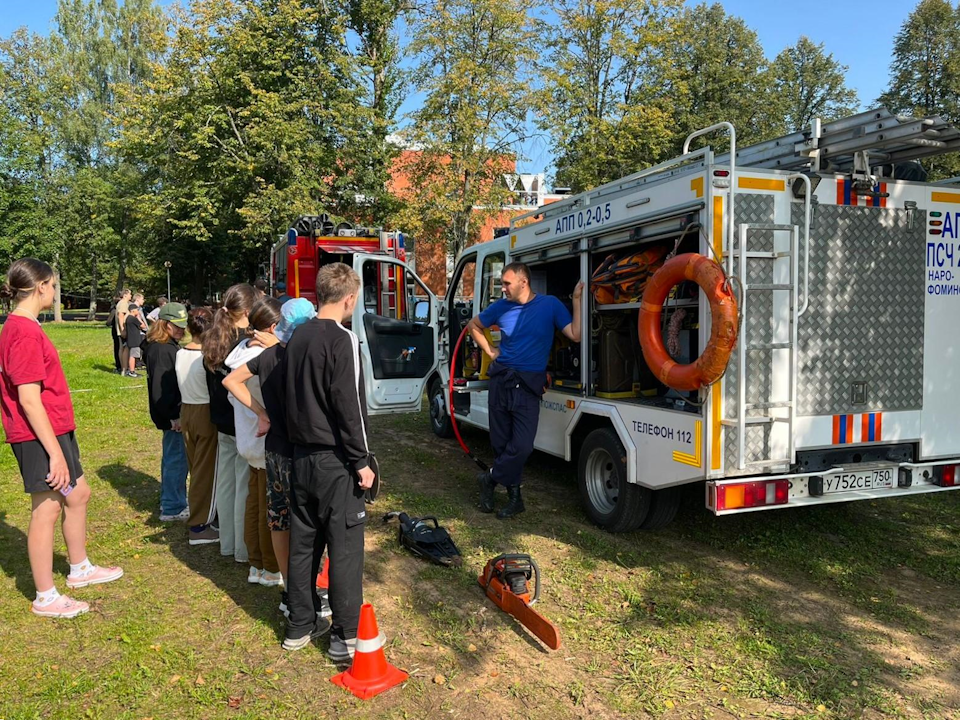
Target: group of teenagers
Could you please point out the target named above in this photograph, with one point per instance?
(264, 408)
(129, 322)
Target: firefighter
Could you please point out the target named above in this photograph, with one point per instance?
(518, 376)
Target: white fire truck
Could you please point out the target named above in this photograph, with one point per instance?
(844, 381)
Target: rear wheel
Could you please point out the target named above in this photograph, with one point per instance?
(439, 416)
(608, 499)
(663, 508)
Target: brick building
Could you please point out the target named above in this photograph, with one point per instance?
(434, 264)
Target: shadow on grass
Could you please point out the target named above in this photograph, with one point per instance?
(769, 593)
(15, 563)
(142, 491)
(105, 368)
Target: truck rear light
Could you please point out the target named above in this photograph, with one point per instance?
(761, 493)
(945, 476)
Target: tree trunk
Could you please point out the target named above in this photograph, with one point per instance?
(92, 315)
(57, 311)
(122, 273)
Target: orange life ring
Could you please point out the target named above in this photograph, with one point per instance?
(709, 367)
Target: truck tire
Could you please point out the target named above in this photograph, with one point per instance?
(608, 499)
(440, 421)
(663, 508)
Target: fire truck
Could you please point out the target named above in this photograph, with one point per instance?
(832, 309)
(397, 318)
(316, 240)
(842, 379)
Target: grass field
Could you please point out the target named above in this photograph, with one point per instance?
(846, 611)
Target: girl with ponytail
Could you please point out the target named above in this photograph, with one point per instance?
(246, 396)
(38, 421)
(229, 327)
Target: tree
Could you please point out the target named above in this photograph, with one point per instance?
(28, 198)
(808, 83)
(604, 114)
(925, 70)
(249, 122)
(98, 52)
(371, 155)
(473, 66)
(713, 72)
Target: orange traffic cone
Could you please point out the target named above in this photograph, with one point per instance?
(370, 673)
(323, 579)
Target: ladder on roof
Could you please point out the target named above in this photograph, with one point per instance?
(872, 138)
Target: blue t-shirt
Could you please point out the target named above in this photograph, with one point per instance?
(526, 331)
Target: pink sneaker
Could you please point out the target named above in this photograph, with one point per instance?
(62, 607)
(99, 576)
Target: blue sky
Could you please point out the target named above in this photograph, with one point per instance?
(860, 36)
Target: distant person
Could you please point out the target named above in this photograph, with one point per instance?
(135, 336)
(271, 413)
(123, 307)
(115, 334)
(154, 314)
(264, 568)
(163, 393)
(281, 291)
(327, 424)
(230, 324)
(260, 285)
(199, 433)
(38, 421)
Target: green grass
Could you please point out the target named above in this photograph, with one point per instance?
(836, 612)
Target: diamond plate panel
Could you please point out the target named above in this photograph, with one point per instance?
(866, 313)
(752, 209)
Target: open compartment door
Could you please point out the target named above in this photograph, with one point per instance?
(396, 319)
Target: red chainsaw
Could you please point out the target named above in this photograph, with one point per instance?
(506, 580)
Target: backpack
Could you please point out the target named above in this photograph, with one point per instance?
(112, 317)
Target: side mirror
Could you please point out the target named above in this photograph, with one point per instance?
(421, 312)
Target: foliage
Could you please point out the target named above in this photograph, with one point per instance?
(600, 102)
(807, 83)
(473, 66)
(925, 71)
(252, 120)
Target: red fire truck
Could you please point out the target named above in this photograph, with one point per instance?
(316, 240)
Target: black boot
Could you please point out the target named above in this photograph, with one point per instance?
(486, 491)
(514, 505)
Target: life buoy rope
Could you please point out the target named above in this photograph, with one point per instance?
(724, 325)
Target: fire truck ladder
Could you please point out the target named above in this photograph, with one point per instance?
(853, 144)
(780, 340)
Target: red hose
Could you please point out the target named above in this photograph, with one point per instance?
(453, 418)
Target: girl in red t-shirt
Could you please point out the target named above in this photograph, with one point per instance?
(38, 421)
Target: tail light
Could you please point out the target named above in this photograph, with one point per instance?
(763, 493)
(945, 475)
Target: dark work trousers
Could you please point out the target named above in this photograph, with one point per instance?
(514, 412)
(117, 340)
(327, 510)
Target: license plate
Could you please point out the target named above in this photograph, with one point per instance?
(860, 480)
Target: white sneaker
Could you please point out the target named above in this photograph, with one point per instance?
(255, 574)
(183, 515)
(270, 579)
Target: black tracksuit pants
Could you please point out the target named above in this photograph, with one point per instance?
(117, 343)
(327, 511)
(514, 412)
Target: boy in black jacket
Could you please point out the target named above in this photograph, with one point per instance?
(327, 423)
(134, 340)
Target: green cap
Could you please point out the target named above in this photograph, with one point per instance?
(175, 313)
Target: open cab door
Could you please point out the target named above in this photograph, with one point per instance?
(396, 319)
